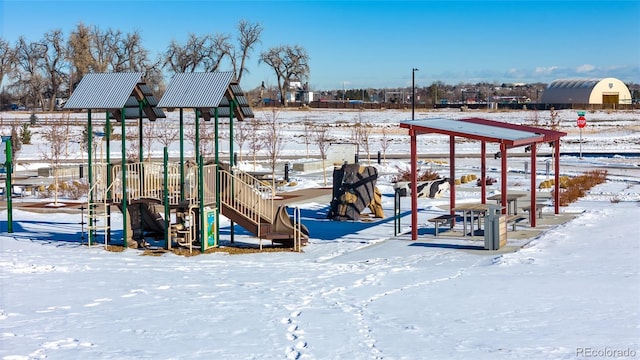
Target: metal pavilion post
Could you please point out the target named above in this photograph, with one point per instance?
(414, 185)
(203, 239)
(165, 194)
(198, 174)
(90, 173)
(483, 171)
(231, 161)
(556, 193)
(181, 155)
(533, 185)
(503, 180)
(107, 135)
(217, 174)
(124, 180)
(452, 174)
(140, 132)
(8, 189)
(196, 151)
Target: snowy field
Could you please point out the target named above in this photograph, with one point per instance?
(356, 291)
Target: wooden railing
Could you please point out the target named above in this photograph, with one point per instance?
(246, 195)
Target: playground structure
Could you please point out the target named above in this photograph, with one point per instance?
(354, 189)
(177, 201)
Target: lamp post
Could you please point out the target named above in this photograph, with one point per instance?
(413, 93)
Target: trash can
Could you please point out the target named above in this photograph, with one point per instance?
(493, 236)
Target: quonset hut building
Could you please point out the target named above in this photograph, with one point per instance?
(607, 93)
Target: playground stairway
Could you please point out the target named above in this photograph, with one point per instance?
(249, 202)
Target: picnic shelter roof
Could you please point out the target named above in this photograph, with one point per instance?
(478, 129)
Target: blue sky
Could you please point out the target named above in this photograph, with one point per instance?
(358, 44)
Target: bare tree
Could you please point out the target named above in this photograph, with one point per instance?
(204, 53)
(255, 140)
(385, 141)
(56, 137)
(133, 147)
(322, 139)
(219, 48)
(149, 131)
(249, 35)
(79, 54)
(166, 132)
(241, 134)
(307, 130)
(101, 44)
(273, 140)
(360, 134)
(29, 56)
(53, 64)
(187, 57)
(289, 63)
(554, 119)
(207, 137)
(128, 53)
(7, 59)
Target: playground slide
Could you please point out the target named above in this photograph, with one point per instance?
(283, 224)
(152, 218)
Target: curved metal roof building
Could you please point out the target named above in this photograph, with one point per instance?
(580, 91)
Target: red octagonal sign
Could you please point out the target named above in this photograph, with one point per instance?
(582, 122)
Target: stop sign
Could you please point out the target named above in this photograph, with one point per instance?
(582, 122)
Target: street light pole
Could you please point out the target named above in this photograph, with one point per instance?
(413, 93)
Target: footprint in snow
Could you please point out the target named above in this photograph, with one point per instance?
(291, 353)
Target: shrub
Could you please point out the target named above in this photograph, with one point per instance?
(76, 189)
(427, 175)
(489, 181)
(578, 186)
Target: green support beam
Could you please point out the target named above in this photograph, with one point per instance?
(90, 174)
(124, 179)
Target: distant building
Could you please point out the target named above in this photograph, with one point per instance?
(298, 92)
(607, 91)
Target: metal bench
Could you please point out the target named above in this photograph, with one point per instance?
(539, 208)
(514, 220)
(442, 219)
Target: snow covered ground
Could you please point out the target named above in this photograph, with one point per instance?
(356, 292)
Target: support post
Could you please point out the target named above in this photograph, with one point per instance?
(140, 132)
(503, 181)
(532, 212)
(217, 160)
(396, 213)
(232, 162)
(124, 178)
(203, 239)
(107, 136)
(165, 193)
(90, 175)
(452, 174)
(556, 193)
(8, 186)
(414, 185)
(181, 155)
(483, 171)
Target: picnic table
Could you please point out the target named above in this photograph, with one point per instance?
(472, 211)
(512, 200)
